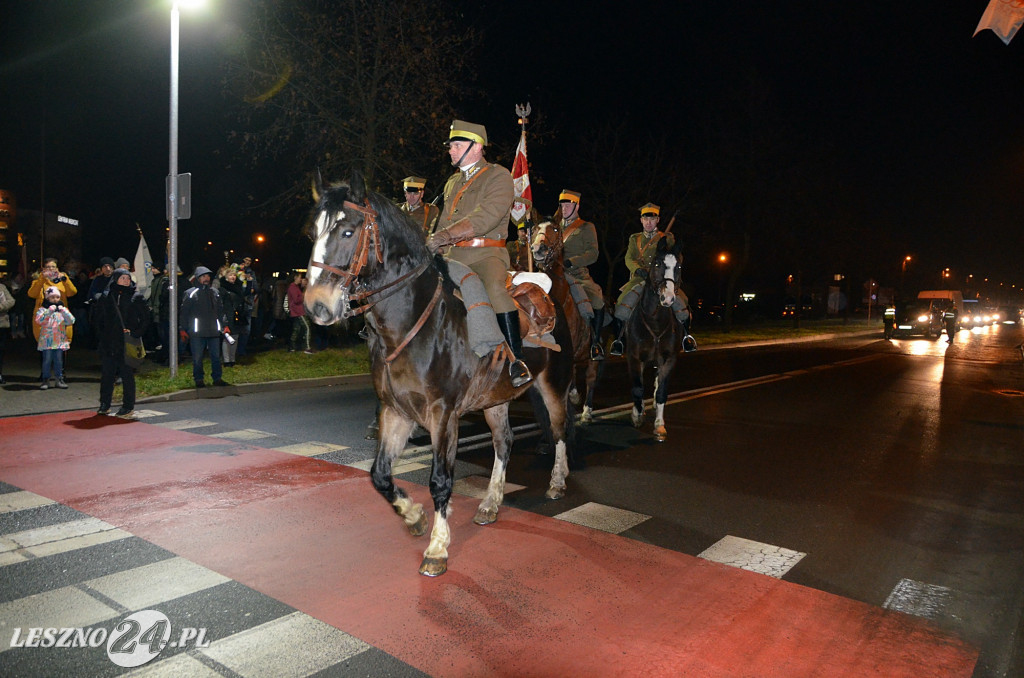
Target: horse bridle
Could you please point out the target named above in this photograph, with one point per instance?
(370, 235)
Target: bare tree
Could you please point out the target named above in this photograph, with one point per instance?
(335, 84)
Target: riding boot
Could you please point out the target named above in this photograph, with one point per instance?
(597, 324)
(617, 346)
(509, 324)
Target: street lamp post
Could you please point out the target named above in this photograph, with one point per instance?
(172, 200)
(174, 197)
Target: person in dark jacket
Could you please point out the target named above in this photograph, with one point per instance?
(202, 318)
(236, 309)
(118, 310)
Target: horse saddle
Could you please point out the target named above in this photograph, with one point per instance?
(536, 309)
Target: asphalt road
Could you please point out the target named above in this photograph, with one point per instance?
(889, 473)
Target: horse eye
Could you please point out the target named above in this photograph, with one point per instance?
(347, 233)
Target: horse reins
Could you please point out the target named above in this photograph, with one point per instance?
(371, 235)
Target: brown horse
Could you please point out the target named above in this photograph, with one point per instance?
(653, 334)
(548, 249)
(367, 252)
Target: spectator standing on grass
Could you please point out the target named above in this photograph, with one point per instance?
(233, 296)
(297, 312)
(202, 318)
(120, 310)
(54, 321)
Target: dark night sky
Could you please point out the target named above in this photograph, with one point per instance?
(920, 117)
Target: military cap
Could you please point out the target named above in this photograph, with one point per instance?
(650, 209)
(569, 196)
(414, 182)
(467, 131)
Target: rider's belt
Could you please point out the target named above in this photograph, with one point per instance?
(481, 242)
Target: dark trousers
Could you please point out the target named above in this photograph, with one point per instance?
(196, 345)
(113, 367)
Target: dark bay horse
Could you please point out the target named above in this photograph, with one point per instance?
(368, 257)
(653, 334)
(548, 255)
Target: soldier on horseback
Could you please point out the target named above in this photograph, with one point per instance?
(423, 213)
(579, 239)
(639, 255)
(473, 226)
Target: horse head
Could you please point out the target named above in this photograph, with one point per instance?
(666, 271)
(346, 245)
(547, 244)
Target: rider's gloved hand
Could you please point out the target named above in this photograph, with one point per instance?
(642, 272)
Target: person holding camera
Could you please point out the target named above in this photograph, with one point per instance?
(50, 276)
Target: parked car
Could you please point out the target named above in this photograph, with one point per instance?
(918, 318)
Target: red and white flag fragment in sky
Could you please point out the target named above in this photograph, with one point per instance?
(1002, 17)
(521, 182)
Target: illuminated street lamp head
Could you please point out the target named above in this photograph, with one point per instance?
(260, 238)
(723, 257)
(188, 5)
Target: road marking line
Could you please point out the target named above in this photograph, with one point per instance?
(66, 607)
(476, 487)
(21, 500)
(142, 587)
(175, 667)
(601, 517)
(183, 424)
(53, 533)
(257, 652)
(919, 599)
(146, 414)
(244, 434)
(311, 448)
(752, 556)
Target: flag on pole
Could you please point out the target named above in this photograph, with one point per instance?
(143, 267)
(521, 182)
(1002, 17)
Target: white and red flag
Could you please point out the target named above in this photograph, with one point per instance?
(1002, 17)
(521, 181)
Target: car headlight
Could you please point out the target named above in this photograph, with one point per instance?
(922, 318)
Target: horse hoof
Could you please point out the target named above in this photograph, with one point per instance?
(433, 567)
(485, 516)
(637, 421)
(660, 434)
(419, 528)
(586, 419)
(555, 493)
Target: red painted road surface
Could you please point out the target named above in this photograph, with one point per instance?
(527, 596)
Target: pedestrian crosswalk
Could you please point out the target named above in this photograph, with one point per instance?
(246, 633)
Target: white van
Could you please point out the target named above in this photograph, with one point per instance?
(940, 300)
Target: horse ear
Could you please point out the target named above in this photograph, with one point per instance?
(317, 185)
(356, 186)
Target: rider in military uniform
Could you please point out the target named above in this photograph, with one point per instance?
(473, 226)
(422, 213)
(639, 255)
(580, 250)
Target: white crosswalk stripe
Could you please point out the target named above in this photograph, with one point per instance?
(752, 556)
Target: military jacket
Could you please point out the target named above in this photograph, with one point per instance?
(423, 214)
(640, 254)
(580, 242)
(484, 199)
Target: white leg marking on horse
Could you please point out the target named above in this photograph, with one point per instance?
(588, 415)
(495, 488)
(638, 416)
(561, 469)
(410, 511)
(659, 414)
(440, 537)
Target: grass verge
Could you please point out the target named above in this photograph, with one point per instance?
(258, 368)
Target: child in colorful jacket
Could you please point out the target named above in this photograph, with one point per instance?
(53, 319)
